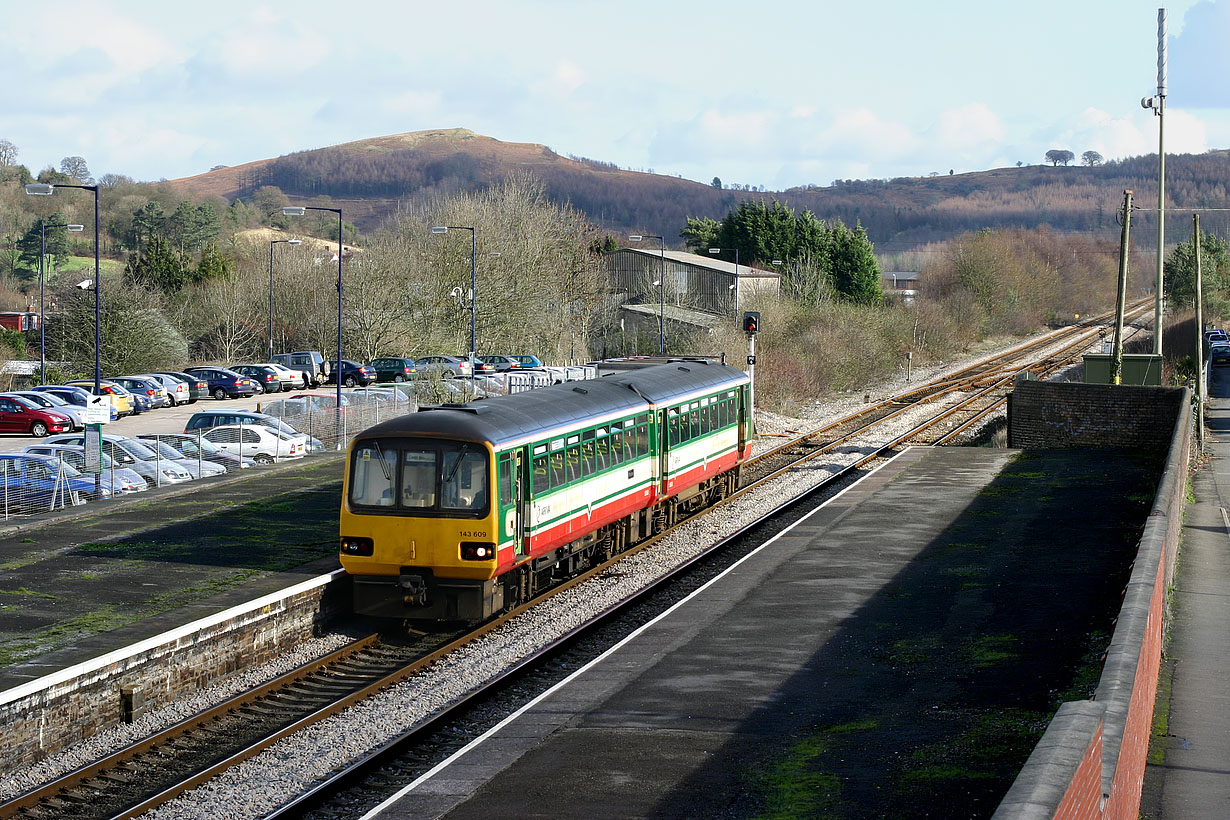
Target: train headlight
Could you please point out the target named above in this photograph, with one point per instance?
(357, 546)
(477, 551)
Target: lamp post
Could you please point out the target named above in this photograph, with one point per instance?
(42, 310)
(47, 189)
(273, 242)
(299, 210)
(661, 283)
(443, 229)
(735, 286)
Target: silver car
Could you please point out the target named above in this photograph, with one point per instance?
(50, 401)
(133, 454)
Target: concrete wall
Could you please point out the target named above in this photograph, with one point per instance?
(1043, 415)
(72, 704)
(1090, 763)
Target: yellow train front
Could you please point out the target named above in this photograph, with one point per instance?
(457, 512)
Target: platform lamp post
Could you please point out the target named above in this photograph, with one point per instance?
(300, 210)
(661, 283)
(272, 242)
(47, 189)
(42, 293)
(735, 286)
(443, 229)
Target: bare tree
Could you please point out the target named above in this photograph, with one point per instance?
(8, 153)
(76, 168)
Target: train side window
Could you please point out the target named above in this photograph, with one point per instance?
(617, 448)
(557, 469)
(588, 459)
(723, 409)
(542, 478)
(602, 453)
(672, 426)
(642, 441)
(507, 492)
(573, 463)
(694, 423)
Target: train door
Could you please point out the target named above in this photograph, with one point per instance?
(522, 473)
(745, 418)
(511, 510)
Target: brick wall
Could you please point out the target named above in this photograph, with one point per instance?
(1090, 762)
(1046, 415)
(68, 706)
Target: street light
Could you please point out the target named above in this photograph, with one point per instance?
(47, 189)
(273, 242)
(300, 210)
(443, 229)
(42, 310)
(661, 290)
(735, 286)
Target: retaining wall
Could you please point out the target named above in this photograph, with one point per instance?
(1090, 763)
(69, 705)
(1049, 415)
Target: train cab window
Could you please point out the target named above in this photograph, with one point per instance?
(418, 478)
(465, 480)
(374, 478)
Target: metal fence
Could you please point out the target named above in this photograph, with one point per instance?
(35, 485)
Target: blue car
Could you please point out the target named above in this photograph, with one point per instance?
(37, 484)
(73, 395)
(224, 383)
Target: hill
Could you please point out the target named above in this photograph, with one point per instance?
(374, 176)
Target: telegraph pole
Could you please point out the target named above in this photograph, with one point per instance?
(1116, 371)
(1200, 385)
(1158, 104)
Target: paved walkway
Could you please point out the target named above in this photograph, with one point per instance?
(1191, 778)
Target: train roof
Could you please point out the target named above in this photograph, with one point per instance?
(534, 413)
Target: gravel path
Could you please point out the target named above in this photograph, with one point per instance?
(260, 785)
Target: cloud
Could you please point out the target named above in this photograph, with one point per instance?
(1198, 57)
(1117, 137)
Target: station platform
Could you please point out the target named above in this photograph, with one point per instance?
(896, 653)
(84, 581)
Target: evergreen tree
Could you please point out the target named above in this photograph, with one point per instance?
(856, 274)
(1179, 271)
(160, 267)
(147, 221)
(213, 265)
(30, 245)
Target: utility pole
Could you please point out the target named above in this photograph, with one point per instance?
(1158, 104)
(1116, 371)
(1200, 385)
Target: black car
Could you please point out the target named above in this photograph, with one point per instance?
(1219, 354)
(353, 374)
(224, 383)
(266, 378)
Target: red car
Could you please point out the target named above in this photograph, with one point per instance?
(18, 415)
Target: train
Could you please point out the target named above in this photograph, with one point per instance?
(462, 511)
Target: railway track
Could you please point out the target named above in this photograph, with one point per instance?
(157, 769)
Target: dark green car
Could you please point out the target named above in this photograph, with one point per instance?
(393, 370)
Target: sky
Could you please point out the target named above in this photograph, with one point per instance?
(778, 94)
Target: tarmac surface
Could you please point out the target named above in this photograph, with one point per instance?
(895, 654)
(1188, 776)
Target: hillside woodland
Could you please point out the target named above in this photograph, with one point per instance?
(186, 264)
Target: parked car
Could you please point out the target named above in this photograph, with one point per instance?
(144, 386)
(18, 415)
(198, 388)
(133, 454)
(353, 373)
(34, 483)
(291, 379)
(266, 378)
(527, 360)
(498, 364)
(300, 406)
(446, 366)
(73, 395)
(257, 442)
(224, 383)
(50, 401)
(120, 398)
(194, 445)
(197, 468)
(208, 419)
(381, 394)
(119, 480)
(1219, 353)
(311, 362)
(393, 369)
(178, 390)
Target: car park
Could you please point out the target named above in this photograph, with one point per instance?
(267, 379)
(224, 383)
(393, 369)
(198, 388)
(195, 445)
(446, 366)
(19, 415)
(120, 398)
(178, 390)
(50, 401)
(262, 444)
(119, 480)
(353, 373)
(144, 386)
(133, 454)
(34, 483)
(73, 395)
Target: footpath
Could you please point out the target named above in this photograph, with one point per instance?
(1188, 776)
